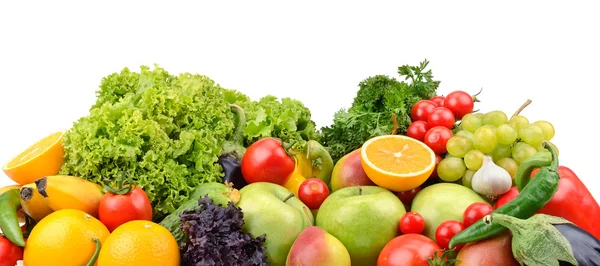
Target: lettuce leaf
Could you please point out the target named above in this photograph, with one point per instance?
(163, 132)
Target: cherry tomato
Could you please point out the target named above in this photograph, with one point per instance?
(266, 160)
(437, 137)
(420, 111)
(408, 250)
(411, 223)
(417, 130)
(507, 197)
(438, 159)
(475, 212)
(313, 192)
(460, 103)
(407, 196)
(441, 116)
(438, 100)
(446, 231)
(118, 207)
(9, 252)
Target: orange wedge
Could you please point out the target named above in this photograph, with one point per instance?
(397, 163)
(41, 159)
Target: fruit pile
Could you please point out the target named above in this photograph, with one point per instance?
(444, 185)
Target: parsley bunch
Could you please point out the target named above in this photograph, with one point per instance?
(371, 113)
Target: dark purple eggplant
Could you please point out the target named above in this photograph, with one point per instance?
(586, 248)
(233, 151)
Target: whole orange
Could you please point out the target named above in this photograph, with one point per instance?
(64, 238)
(142, 243)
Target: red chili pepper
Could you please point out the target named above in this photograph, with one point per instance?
(572, 201)
(9, 252)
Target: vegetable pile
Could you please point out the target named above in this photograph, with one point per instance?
(167, 131)
(176, 170)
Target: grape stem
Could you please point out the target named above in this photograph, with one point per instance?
(521, 108)
(395, 124)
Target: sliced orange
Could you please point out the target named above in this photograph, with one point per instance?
(41, 159)
(396, 162)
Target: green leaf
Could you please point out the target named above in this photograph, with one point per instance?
(535, 241)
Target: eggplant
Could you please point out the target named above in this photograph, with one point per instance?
(232, 168)
(233, 151)
(586, 248)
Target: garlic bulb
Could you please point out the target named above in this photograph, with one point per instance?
(491, 180)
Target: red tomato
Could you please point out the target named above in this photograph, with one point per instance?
(437, 137)
(438, 159)
(313, 192)
(9, 252)
(417, 130)
(421, 110)
(512, 193)
(411, 223)
(438, 100)
(407, 196)
(446, 231)
(266, 160)
(460, 103)
(408, 250)
(475, 212)
(116, 209)
(441, 116)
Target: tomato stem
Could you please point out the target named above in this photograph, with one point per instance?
(521, 108)
(288, 197)
(96, 252)
(121, 189)
(287, 148)
(475, 100)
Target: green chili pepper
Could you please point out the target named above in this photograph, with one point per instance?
(94, 257)
(523, 175)
(9, 222)
(534, 196)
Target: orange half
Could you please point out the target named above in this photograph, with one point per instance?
(43, 158)
(396, 162)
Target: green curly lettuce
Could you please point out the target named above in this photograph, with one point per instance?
(287, 119)
(163, 132)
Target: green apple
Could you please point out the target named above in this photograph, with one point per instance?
(273, 210)
(363, 218)
(441, 202)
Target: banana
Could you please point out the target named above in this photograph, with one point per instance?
(33, 203)
(70, 192)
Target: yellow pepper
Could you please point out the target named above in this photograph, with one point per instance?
(304, 166)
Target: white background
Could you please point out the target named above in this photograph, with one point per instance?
(54, 53)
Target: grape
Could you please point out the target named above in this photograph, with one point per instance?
(518, 122)
(451, 169)
(522, 151)
(484, 139)
(458, 146)
(547, 127)
(506, 135)
(510, 165)
(480, 115)
(532, 135)
(474, 159)
(466, 134)
(467, 177)
(501, 151)
(494, 118)
(493, 128)
(470, 122)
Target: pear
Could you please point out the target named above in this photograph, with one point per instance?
(315, 247)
